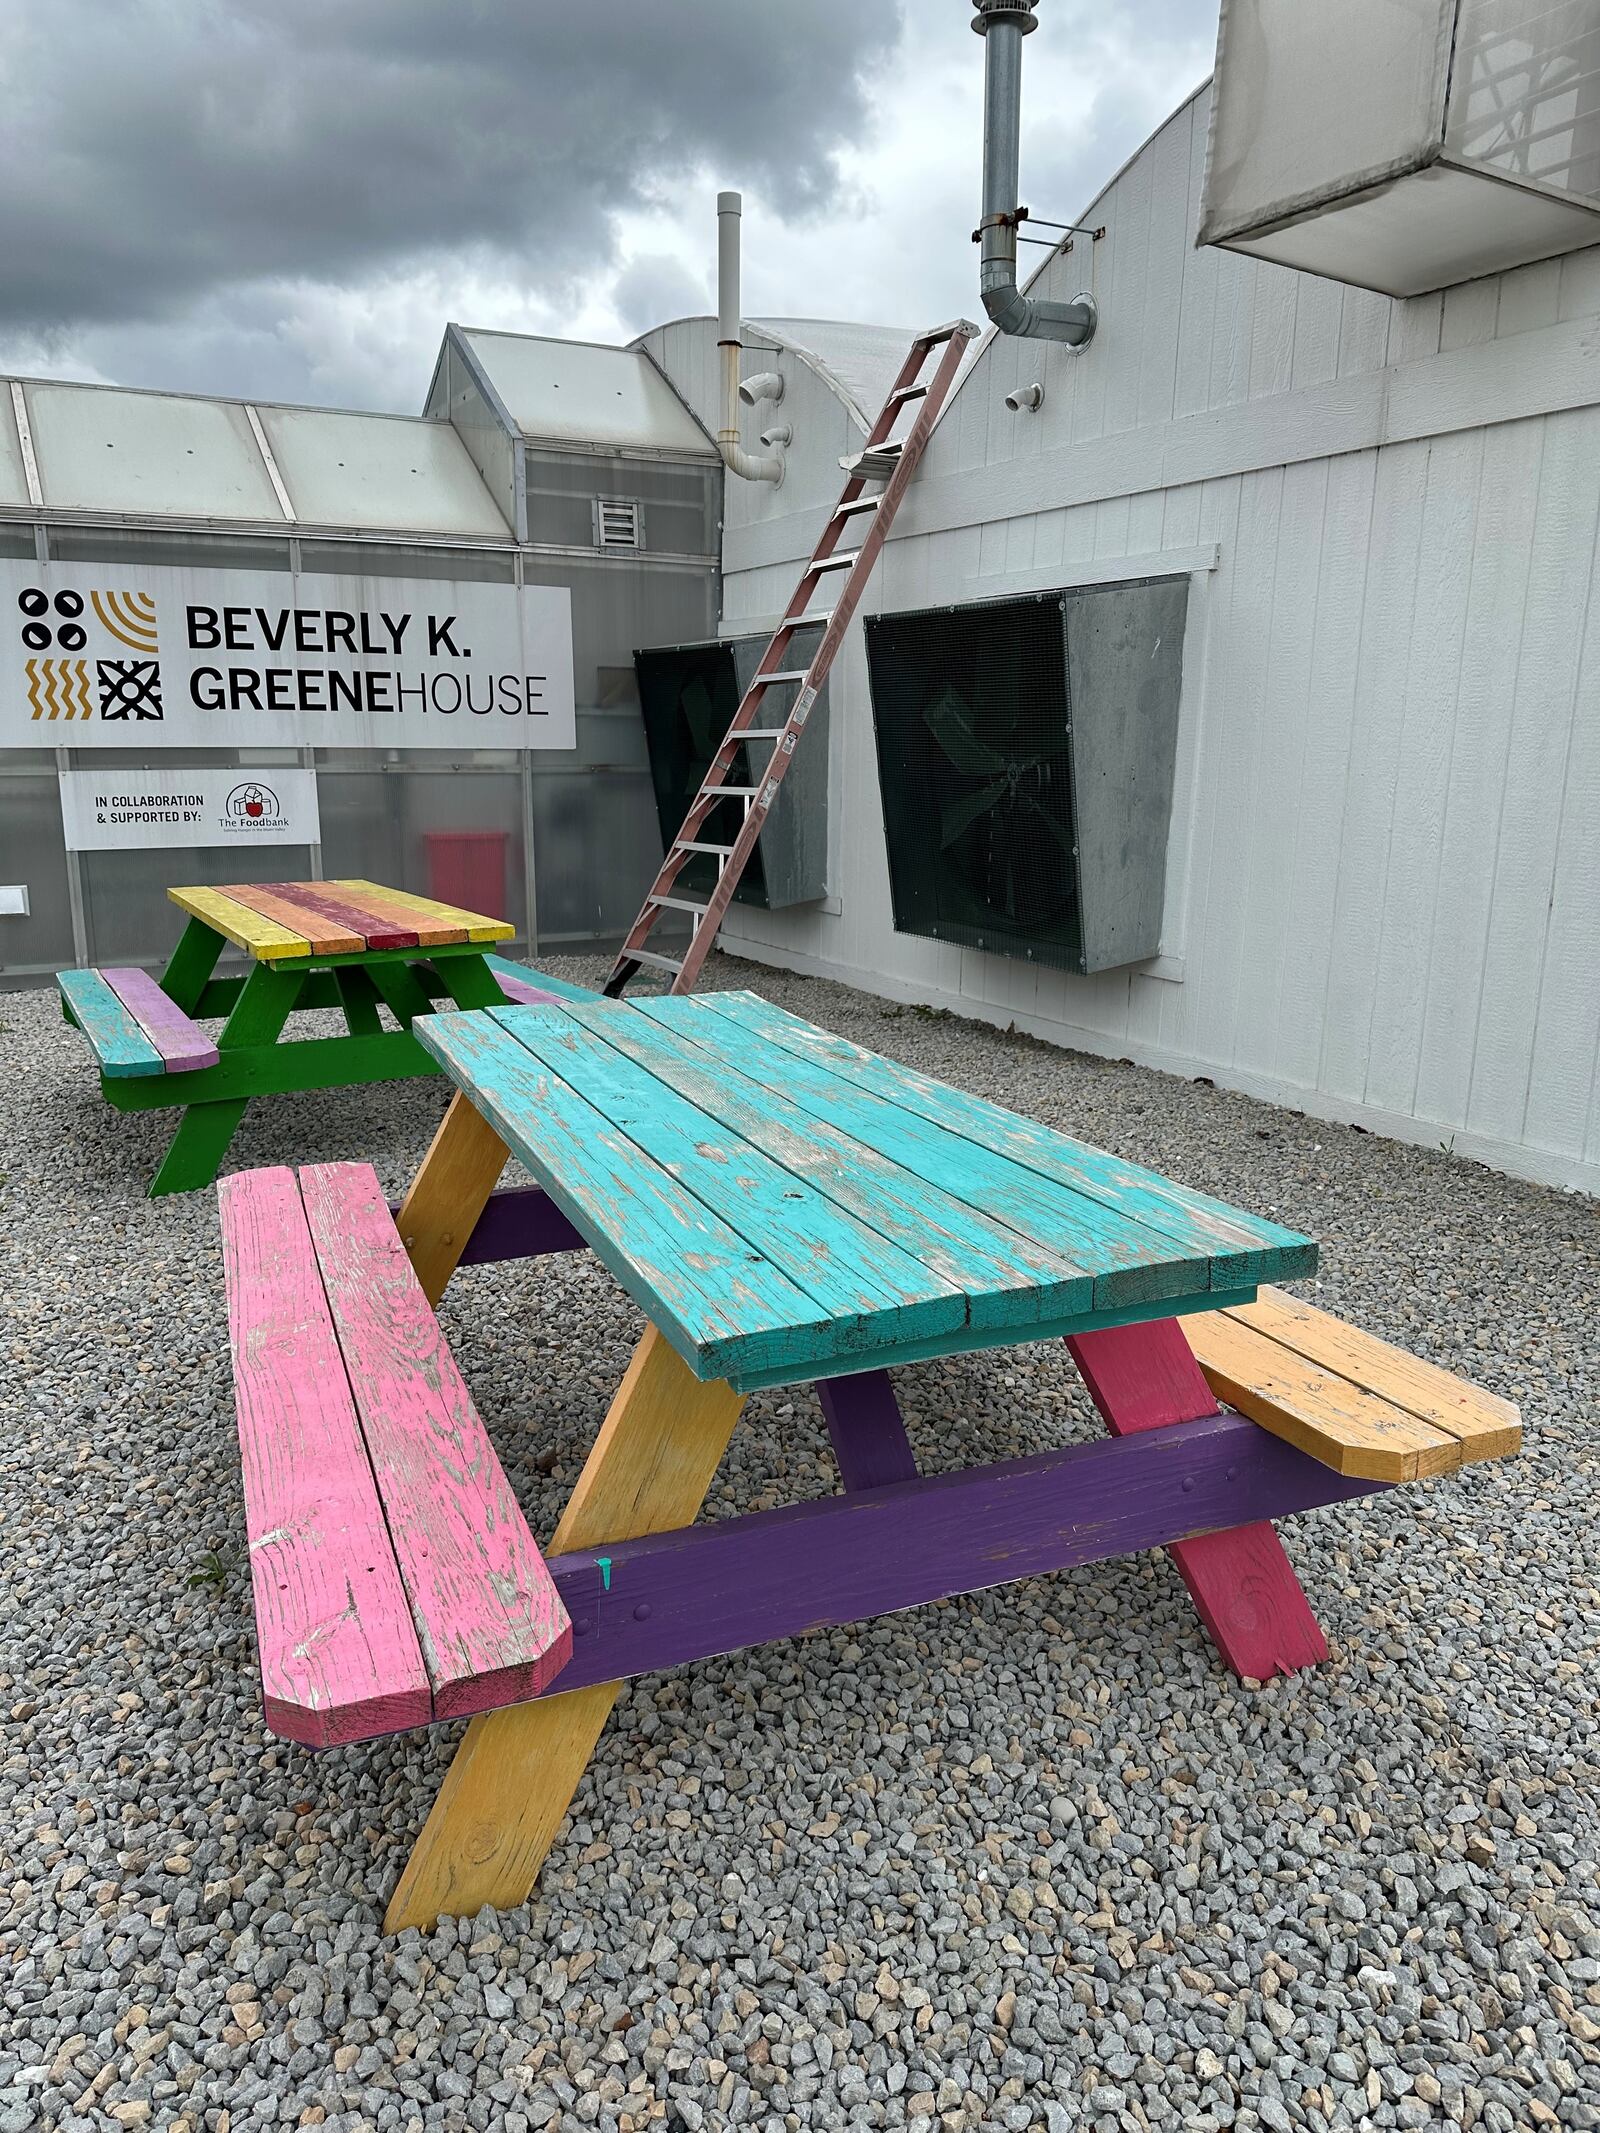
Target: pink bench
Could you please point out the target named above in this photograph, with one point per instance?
(395, 1579)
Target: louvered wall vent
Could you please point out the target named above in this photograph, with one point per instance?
(618, 523)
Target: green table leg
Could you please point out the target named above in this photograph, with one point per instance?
(358, 996)
(190, 965)
(469, 981)
(203, 1134)
(402, 994)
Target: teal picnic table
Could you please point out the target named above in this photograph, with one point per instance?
(349, 945)
(785, 1208)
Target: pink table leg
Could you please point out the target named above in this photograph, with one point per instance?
(1145, 1377)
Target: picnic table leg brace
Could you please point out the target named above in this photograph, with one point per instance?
(508, 1790)
(190, 965)
(201, 1141)
(1145, 1377)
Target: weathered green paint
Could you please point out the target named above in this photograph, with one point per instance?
(201, 1141)
(403, 992)
(190, 965)
(359, 998)
(471, 983)
(286, 1069)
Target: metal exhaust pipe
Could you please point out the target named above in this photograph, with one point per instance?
(1003, 24)
(750, 466)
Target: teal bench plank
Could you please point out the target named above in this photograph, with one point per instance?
(1009, 1282)
(120, 1046)
(850, 1272)
(1131, 1264)
(721, 1306)
(520, 974)
(1245, 1249)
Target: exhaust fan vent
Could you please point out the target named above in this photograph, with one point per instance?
(618, 523)
(1025, 757)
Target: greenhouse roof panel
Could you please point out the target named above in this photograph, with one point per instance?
(386, 472)
(583, 393)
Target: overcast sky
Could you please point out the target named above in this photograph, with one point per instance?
(287, 199)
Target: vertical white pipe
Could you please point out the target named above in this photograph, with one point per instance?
(751, 466)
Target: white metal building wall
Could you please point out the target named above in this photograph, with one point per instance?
(1383, 888)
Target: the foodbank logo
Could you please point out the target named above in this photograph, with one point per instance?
(251, 808)
(55, 628)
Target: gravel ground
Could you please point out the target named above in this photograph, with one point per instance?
(1024, 1859)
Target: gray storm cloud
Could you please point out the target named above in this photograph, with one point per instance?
(154, 150)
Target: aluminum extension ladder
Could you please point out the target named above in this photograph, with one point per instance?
(891, 461)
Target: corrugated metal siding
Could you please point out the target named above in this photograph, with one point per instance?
(1383, 884)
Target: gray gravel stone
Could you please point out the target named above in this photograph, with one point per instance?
(1023, 1859)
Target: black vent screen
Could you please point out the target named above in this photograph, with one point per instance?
(974, 760)
(689, 694)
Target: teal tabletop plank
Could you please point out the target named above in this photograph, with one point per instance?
(1243, 1249)
(723, 1307)
(1131, 1264)
(867, 1285)
(1008, 1282)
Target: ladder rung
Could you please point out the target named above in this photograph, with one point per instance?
(756, 733)
(771, 681)
(728, 792)
(874, 462)
(677, 903)
(720, 851)
(908, 392)
(648, 955)
(862, 503)
(834, 562)
(948, 332)
(803, 621)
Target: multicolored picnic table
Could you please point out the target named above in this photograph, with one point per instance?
(350, 945)
(785, 1208)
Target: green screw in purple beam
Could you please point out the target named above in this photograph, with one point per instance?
(603, 1564)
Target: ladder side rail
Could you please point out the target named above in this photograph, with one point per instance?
(757, 799)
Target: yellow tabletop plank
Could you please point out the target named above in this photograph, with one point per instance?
(479, 928)
(265, 938)
(1352, 1430)
(1487, 1426)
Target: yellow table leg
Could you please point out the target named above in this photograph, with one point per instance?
(448, 1193)
(507, 1792)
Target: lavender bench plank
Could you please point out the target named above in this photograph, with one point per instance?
(183, 1044)
(376, 1505)
(132, 1026)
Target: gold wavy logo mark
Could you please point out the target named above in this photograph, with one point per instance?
(59, 688)
(129, 616)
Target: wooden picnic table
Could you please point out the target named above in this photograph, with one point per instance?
(349, 945)
(786, 1208)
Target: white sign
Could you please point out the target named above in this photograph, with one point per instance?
(96, 655)
(112, 810)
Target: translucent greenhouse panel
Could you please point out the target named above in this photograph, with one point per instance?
(454, 834)
(130, 917)
(31, 853)
(1525, 92)
(1301, 111)
(596, 851)
(1405, 145)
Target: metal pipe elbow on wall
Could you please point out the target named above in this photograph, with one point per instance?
(1002, 24)
(750, 466)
